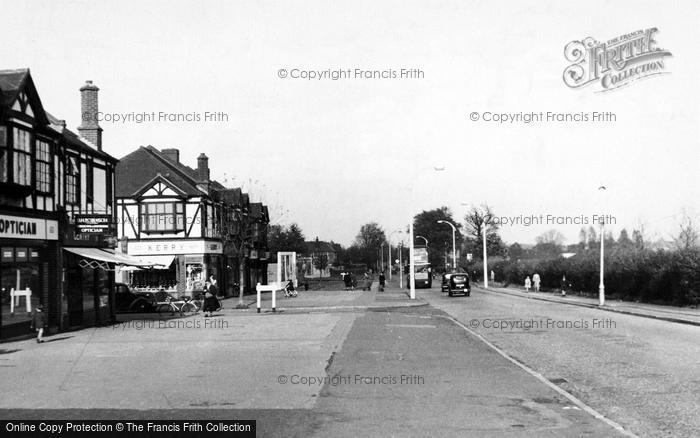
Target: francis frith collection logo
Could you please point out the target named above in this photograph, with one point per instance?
(614, 63)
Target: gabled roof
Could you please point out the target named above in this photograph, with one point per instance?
(142, 165)
(12, 83)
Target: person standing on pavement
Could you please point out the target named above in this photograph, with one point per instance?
(39, 322)
(528, 284)
(382, 281)
(211, 303)
(536, 281)
(493, 276)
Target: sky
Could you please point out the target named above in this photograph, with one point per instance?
(332, 155)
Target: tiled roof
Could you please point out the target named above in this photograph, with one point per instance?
(76, 141)
(11, 82)
(139, 167)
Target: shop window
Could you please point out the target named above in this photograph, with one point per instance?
(162, 216)
(20, 269)
(43, 166)
(22, 157)
(3, 154)
(194, 269)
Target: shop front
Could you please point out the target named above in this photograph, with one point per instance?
(181, 266)
(28, 248)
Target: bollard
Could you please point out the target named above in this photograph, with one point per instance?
(257, 288)
(274, 301)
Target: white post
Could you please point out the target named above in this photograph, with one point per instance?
(274, 301)
(390, 263)
(601, 286)
(257, 288)
(454, 251)
(411, 264)
(486, 276)
(400, 268)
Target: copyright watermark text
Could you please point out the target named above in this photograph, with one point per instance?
(525, 118)
(337, 74)
(351, 379)
(542, 323)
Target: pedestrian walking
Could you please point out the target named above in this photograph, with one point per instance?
(347, 279)
(563, 285)
(493, 277)
(367, 282)
(382, 281)
(536, 281)
(39, 322)
(528, 284)
(211, 303)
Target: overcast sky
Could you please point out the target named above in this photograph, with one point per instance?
(338, 154)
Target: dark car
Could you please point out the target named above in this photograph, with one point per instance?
(128, 301)
(456, 283)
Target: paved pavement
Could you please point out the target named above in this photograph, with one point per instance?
(641, 373)
(684, 315)
(260, 366)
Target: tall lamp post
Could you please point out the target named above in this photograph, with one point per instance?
(454, 251)
(389, 241)
(421, 237)
(601, 286)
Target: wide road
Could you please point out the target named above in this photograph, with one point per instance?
(641, 373)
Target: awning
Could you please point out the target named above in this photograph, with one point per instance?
(158, 262)
(99, 256)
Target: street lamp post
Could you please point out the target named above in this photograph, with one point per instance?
(454, 251)
(486, 276)
(400, 266)
(601, 286)
(421, 237)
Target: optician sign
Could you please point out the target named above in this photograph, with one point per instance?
(16, 227)
(156, 247)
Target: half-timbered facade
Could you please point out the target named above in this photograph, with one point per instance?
(179, 218)
(56, 200)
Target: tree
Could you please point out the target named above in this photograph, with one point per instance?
(371, 235)
(688, 235)
(281, 238)
(478, 220)
(624, 240)
(439, 236)
(638, 238)
(515, 251)
(549, 244)
(321, 262)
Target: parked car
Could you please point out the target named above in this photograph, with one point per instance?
(456, 283)
(128, 301)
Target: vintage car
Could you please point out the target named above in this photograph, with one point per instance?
(127, 300)
(456, 283)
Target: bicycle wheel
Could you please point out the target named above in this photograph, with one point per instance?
(188, 308)
(165, 308)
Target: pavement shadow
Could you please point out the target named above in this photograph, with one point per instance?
(3, 351)
(62, 338)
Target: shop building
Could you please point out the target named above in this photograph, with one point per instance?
(56, 212)
(189, 225)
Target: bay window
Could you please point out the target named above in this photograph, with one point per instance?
(162, 216)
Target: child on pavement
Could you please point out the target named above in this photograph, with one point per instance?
(39, 322)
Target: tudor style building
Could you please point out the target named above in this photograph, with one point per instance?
(56, 212)
(191, 226)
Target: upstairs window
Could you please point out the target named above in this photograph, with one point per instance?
(22, 157)
(43, 166)
(72, 178)
(3, 154)
(162, 216)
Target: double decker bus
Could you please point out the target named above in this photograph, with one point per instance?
(423, 271)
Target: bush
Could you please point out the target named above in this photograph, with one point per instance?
(664, 277)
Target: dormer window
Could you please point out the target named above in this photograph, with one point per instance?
(22, 157)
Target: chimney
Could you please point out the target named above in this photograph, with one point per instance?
(89, 128)
(171, 154)
(203, 168)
